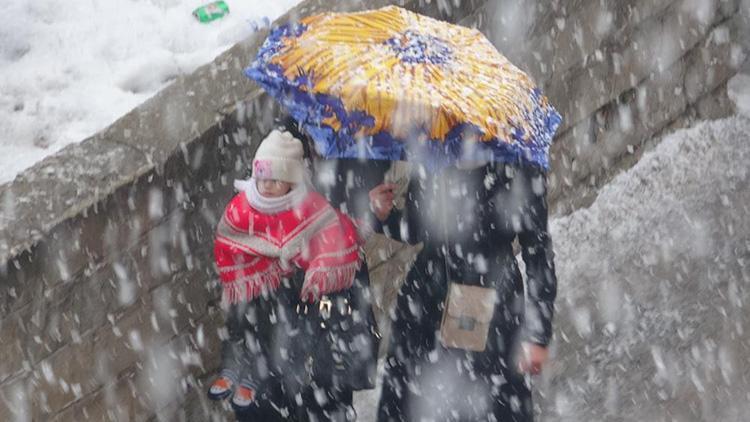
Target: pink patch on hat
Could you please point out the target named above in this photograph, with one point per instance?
(262, 169)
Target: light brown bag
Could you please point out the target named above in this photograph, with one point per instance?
(467, 316)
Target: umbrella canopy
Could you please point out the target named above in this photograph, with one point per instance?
(392, 84)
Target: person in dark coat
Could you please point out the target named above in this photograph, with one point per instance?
(468, 220)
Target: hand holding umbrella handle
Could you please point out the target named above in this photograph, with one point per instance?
(381, 200)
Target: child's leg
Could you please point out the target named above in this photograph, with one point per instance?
(250, 354)
(231, 355)
(232, 349)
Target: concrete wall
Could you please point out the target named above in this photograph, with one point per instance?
(107, 298)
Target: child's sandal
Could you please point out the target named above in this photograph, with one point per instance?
(244, 396)
(222, 387)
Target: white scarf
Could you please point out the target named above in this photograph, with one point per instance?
(271, 205)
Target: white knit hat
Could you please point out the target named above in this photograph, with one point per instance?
(279, 157)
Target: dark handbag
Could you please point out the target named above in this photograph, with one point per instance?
(346, 347)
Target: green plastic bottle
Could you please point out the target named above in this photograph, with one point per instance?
(211, 11)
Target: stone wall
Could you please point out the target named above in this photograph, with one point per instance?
(620, 73)
(107, 292)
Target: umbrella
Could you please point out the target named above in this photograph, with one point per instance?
(392, 84)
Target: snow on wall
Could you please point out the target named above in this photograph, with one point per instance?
(739, 92)
(68, 69)
(654, 286)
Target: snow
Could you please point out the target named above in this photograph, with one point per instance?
(685, 170)
(738, 89)
(69, 69)
(652, 276)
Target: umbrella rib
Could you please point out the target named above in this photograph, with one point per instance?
(376, 23)
(444, 92)
(374, 75)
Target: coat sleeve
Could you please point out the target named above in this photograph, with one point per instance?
(538, 257)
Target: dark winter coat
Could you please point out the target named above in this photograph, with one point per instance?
(468, 221)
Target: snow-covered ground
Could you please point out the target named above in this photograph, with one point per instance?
(70, 68)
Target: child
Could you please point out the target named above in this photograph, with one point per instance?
(274, 226)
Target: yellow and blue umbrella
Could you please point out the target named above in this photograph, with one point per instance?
(392, 84)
